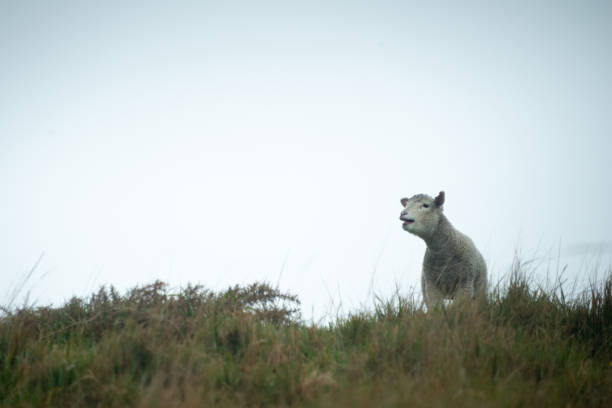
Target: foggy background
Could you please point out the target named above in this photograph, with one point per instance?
(227, 142)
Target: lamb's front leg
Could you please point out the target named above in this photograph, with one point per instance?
(431, 294)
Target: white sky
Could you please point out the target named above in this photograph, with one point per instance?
(224, 142)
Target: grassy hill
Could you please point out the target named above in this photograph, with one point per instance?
(247, 346)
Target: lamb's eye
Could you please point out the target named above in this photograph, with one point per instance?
(426, 205)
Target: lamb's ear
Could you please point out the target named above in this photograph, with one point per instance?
(439, 200)
(404, 201)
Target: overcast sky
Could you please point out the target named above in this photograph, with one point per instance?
(222, 142)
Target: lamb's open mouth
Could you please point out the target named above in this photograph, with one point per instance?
(407, 221)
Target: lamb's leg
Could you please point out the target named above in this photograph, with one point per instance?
(431, 294)
(466, 292)
(480, 287)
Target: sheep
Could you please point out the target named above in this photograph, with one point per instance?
(452, 266)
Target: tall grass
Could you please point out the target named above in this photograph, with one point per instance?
(246, 346)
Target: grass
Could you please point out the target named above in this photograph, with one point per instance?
(247, 346)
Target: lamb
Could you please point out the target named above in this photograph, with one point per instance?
(452, 266)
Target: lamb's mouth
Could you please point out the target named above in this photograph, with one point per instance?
(407, 221)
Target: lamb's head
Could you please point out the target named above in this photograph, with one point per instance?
(421, 214)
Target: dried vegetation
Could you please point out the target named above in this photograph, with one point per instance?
(247, 346)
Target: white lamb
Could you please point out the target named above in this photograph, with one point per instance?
(452, 266)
